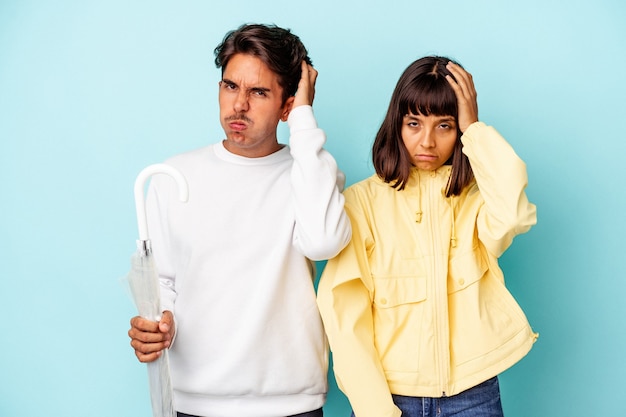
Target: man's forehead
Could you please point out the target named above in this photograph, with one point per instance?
(250, 71)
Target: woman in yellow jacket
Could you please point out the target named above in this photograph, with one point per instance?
(415, 307)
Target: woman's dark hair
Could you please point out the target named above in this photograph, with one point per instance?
(278, 48)
(421, 89)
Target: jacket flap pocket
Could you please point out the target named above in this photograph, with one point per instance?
(392, 292)
(465, 270)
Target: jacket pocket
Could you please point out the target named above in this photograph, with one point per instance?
(397, 291)
(465, 270)
(485, 320)
(399, 304)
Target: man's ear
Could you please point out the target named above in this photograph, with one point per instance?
(287, 108)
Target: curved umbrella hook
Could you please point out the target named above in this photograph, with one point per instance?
(140, 201)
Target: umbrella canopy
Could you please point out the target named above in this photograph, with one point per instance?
(144, 285)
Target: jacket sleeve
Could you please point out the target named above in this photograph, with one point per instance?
(501, 178)
(322, 227)
(345, 303)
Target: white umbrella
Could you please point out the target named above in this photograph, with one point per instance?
(144, 285)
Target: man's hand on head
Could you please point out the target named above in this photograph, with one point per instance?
(306, 87)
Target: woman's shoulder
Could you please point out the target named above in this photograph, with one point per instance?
(367, 186)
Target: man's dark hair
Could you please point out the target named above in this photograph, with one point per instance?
(278, 48)
(421, 89)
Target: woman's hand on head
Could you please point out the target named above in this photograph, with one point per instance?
(465, 95)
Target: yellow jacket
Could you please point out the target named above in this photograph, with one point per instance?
(416, 303)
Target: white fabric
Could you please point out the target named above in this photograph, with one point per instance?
(235, 270)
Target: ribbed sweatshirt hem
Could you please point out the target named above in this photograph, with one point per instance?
(247, 405)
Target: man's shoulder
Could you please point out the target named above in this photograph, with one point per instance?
(190, 156)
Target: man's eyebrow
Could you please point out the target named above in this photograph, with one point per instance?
(264, 89)
(231, 82)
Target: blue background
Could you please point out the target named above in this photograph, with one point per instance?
(92, 92)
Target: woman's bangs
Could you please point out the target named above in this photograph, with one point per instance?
(430, 95)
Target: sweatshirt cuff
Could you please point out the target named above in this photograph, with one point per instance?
(301, 118)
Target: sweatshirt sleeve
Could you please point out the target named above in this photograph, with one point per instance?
(345, 303)
(322, 227)
(501, 178)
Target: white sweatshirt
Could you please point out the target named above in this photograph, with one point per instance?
(235, 269)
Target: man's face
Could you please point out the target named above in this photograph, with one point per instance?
(251, 106)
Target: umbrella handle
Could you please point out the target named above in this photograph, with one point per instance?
(140, 201)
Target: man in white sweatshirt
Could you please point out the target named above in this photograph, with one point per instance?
(235, 262)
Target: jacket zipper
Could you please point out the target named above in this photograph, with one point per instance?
(441, 294)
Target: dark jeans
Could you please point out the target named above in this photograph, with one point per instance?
(315, 413)
(483, 400)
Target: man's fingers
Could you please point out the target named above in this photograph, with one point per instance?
(145, 358)
(147, 337)
(306, 87)
(312, 74)
(149, 347)
(142, 324)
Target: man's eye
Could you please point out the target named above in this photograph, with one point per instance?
(259, 93)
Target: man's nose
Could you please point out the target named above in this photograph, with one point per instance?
(241, 102)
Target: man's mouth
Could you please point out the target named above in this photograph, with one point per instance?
(237, 125)
(238, 122)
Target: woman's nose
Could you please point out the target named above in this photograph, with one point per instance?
(428, 140)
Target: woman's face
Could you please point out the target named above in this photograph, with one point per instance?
(429, 140)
